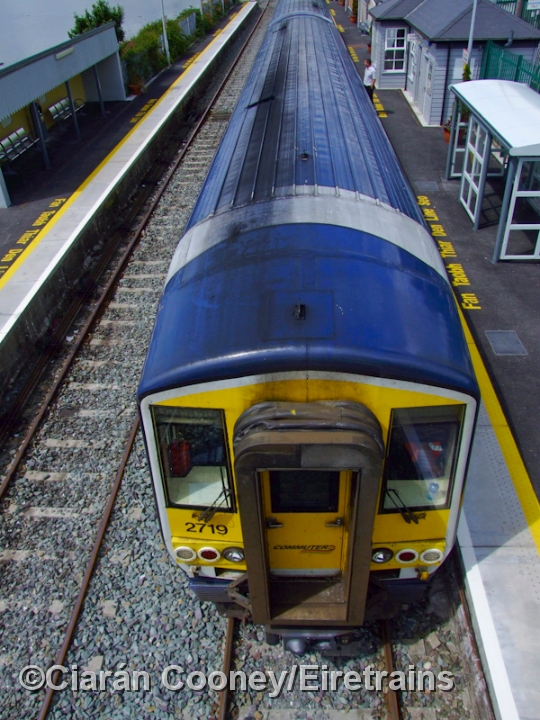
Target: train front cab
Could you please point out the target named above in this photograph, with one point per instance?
(335, 519)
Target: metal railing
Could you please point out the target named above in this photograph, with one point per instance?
(501, 64)
(530, 16)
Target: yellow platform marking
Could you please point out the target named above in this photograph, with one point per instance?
(29, 235)
(468, 301)
(36, 240)
(340, 28)
(381, 112)
(190, 61)
(353, 54)
(332, 12)
(142, 112)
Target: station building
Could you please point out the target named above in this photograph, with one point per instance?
(418, 47)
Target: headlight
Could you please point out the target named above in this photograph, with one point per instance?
(185, 553)
(234, 554)
(407, 556)
(209, 554)
(433, 555)
(382, 555)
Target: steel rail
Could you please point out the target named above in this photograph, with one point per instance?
(227, 657)
(85, 330)
(391, 695)
(89, 569)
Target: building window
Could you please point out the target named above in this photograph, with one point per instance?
(394, 49)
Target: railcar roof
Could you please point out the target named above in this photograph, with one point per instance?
(372, 308)
(304, 122)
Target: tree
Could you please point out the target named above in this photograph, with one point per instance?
(101, 14)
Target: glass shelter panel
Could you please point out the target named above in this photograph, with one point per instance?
(193, 456)
(422, 452)
(522, 231)
(476, 162)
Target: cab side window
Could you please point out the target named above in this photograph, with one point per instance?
(421, 457)
(193, 455)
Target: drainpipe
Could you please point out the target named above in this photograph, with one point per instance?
(446, 83)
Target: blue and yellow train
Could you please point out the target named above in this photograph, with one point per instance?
(308, 399)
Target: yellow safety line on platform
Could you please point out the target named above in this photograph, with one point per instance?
(353, 54)
(514, 462)
(190, 61)
(381, 112)
(339, 27)
(76, 193)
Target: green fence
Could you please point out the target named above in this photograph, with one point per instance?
(530, 16)
(501, 64)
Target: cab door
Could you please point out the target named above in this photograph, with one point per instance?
(305, 521)
(307, 479)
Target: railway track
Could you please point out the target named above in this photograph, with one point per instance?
(424, 640)
(57, 490)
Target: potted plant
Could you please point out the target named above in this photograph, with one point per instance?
(447, 129)
(354, 12)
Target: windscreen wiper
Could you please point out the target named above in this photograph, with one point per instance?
(406, 513)
(210, 511)
(208, 514)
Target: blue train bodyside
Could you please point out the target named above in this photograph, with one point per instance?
(305, 134)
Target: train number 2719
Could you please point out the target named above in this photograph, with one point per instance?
(219, 529)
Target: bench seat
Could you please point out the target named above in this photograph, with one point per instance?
(15, 144)
(62, 109)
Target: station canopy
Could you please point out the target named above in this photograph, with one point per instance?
(502, 141)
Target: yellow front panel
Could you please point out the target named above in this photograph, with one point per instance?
(388, 528)
(222, 527)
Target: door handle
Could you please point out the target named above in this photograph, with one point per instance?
(338, 522)
(272, 523)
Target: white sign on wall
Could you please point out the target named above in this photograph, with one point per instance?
(533, 5)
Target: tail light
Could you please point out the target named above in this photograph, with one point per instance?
(407, 556)
(209, 554)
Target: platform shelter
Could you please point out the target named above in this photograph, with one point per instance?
(52, 87)
(499, 122)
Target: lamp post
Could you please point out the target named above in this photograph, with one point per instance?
(165, 38)
(471, 32)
